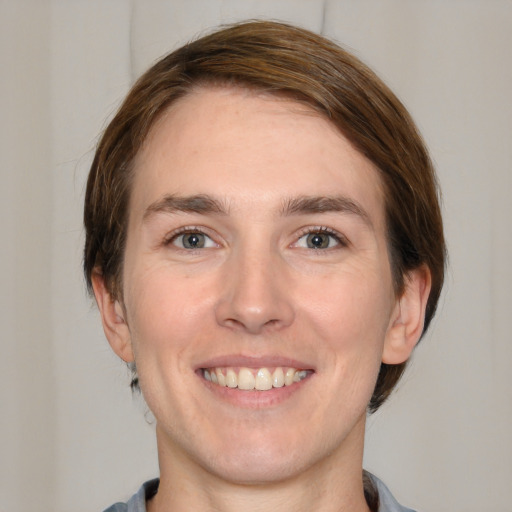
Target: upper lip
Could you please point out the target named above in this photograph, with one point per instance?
(270, 361)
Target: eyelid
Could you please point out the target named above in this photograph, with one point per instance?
(173, 235)
(339, 237)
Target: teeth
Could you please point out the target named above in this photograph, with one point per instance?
(288, 378)
(231, 379)
(278, 378)
(297, 377)
(221, 380)
(261, 380)
(246, 379)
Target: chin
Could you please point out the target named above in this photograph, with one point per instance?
(253, 461)
(256, 468)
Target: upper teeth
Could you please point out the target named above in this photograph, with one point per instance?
(249, 379)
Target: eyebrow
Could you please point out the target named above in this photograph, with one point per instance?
(302, 205)
(325, 204)
(202, 204)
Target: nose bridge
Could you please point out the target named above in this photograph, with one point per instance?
(254, 295)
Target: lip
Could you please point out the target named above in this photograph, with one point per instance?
(254, 399)
(254, 362)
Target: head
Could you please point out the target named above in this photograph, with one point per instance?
(291, 63)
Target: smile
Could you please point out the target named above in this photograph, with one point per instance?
(248, 379)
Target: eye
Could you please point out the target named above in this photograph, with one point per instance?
(319, 239)
(192, 240)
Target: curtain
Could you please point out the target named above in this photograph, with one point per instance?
(71, 436)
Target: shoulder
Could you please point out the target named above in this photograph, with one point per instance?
(137, 503)
(117, 507)
(387, 501)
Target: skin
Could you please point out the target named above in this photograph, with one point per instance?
(258, 295)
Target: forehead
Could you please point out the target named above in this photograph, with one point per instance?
(245, 146)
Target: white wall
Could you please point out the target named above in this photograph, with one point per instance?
(71, 438)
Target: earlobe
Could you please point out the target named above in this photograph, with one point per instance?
(408, 317)
(113, 319)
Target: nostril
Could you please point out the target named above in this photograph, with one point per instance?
(253, 325)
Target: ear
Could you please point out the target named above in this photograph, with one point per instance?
(113, 318)
(408, 317)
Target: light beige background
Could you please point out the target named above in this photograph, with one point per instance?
(71, 438)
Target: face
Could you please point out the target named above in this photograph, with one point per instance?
(257, 291)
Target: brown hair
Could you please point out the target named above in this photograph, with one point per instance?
(284, 60)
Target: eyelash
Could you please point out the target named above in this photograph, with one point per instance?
(171, 237)
(323, 230)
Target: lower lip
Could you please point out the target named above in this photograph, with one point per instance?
(255, 399)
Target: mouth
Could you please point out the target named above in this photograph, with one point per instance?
(254, 379)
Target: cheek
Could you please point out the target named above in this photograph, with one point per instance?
(351, 308)
(350, 318)
(168, 313)
(159, 308)
(165, 316)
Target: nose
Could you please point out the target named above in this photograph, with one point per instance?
(256, 293)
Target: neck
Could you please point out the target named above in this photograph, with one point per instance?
(333, 484)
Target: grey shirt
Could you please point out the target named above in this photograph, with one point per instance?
(137, 503)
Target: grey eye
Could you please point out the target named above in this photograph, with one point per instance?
(318, 240)
(191, 241)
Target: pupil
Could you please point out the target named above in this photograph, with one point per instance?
(193, 241)
(318, 241)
